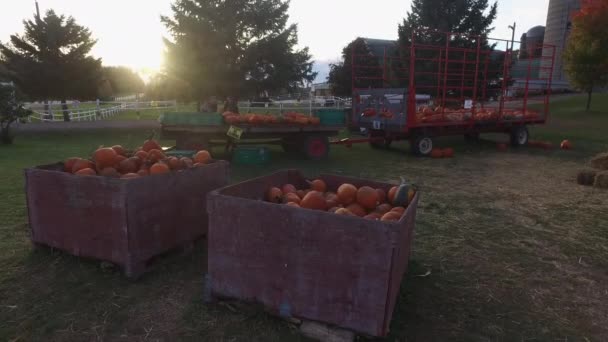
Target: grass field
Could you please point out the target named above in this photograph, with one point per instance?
(514, 249)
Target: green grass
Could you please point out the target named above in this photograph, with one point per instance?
(516, 250)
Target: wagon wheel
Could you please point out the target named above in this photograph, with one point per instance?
(316, 147)
(421, 145)
(519, 136)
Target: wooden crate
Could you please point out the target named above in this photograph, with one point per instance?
(126, 222)
(313, 265)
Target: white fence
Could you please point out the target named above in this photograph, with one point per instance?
(91, 111)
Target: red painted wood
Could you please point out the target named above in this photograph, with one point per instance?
(122, 221)
(306, 264)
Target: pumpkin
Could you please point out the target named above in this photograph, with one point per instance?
(318, 185)
(155, 155)
(81, 164)
(381, 195)
(344, 211)
(332, 200)
(293, 204)
(448, 152)
(109, 172)
(291, 197)
(373, 216)
(127, 166)
(333, 210)
(150, 145)
(367, 197)
(159, 169)
(68, 164)
(288, 189)
(391, 216)
(104, 157)
(86, 172)
(118, 159)
(301, 193)
(357, 209)
(119, 150)
(404, 195)
(199, 165)
(186, 162)
(130, 176)
(314, 200)
(566, 145)
(274, 195)
(347, 193)
(143, 155)
(436, 153)
(391, 194)
(384, 208)
(502, 147)
(202, 157)
(174, 163)
(136, 161)
(143, 172)
(398, 210)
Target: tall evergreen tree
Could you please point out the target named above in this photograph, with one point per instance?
(366, 66)
(226, 47)
(123, 80)
(51, 60)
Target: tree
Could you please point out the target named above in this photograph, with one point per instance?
(51, 60)
(367, 65)
(586, 54)
(523, 48)
(123, 81)
(11, 110)
(225, 47)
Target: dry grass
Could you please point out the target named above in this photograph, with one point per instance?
(601, 180)
(600, 161)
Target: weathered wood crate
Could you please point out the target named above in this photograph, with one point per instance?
(126, 222)
(313, 265)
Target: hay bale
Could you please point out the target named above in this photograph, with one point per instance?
(600, 161)
(601, 180)
(586, 177)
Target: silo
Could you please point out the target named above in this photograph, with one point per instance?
(534, 41)
(556, 33)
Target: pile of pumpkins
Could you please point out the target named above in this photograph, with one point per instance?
(426, 114)
(117, 162)
(365, 202)
(291, 118)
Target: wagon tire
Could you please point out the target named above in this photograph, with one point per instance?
(316, 147)
(421, 145)
(519, 136)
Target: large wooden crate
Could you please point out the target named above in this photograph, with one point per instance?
(341, 270)
(126, 222)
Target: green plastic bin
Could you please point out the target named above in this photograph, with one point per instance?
(180, 153)
(331, 117)
(191, 119)
(251, 155)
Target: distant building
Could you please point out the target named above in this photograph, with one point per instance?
(322, 89)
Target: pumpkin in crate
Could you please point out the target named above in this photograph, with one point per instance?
(274, 195)
(347, 193)
(120, 150)
(291, 197)
(202, 157)
(289, 188)
(150, 145)
(68, 164)
(318, 185)
(159, 169)
(404, 195)
(314, 200)
(367, 197)
(81, 164)
(356, 209)
(86, 172)
(104, 157)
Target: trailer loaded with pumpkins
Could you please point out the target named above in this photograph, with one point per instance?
(449, 84)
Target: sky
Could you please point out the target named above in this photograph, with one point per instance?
(129, 32)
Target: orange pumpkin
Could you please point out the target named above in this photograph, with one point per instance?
(391, 216)
(373, 216)
(109, 172)
(347, 193)
(159, 169)
(150, 145)
(202, 157)
(301, 193)
(118, 159)
(291, 197)
(68, 164)
(384, 208)
(367, 197)
(127, 166)
(399, 210)
(86, 172)
(293, 204)
(332, 200)
(81, 164)
(143, 173)
(391, 193)
(436, 153)
(448, 152)
(357, 209)
(318, 185)
(174, 163)
(288, 189)
(566, 145)
(333, 210)
(381, 195)
(119, 150)
(274, 195)
(186, 162)
(130, 176)
(344, 211)
(314, 200)
(143, 155)
(136, 161)
(104, 157)
(156, 156)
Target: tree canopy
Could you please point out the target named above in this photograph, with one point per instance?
(123, 80)
(229, 47)
(11, 110)
(586, 54)
(51, 59)
(341, 76)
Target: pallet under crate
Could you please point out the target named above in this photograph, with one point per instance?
(125, 222)
(313, 265)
